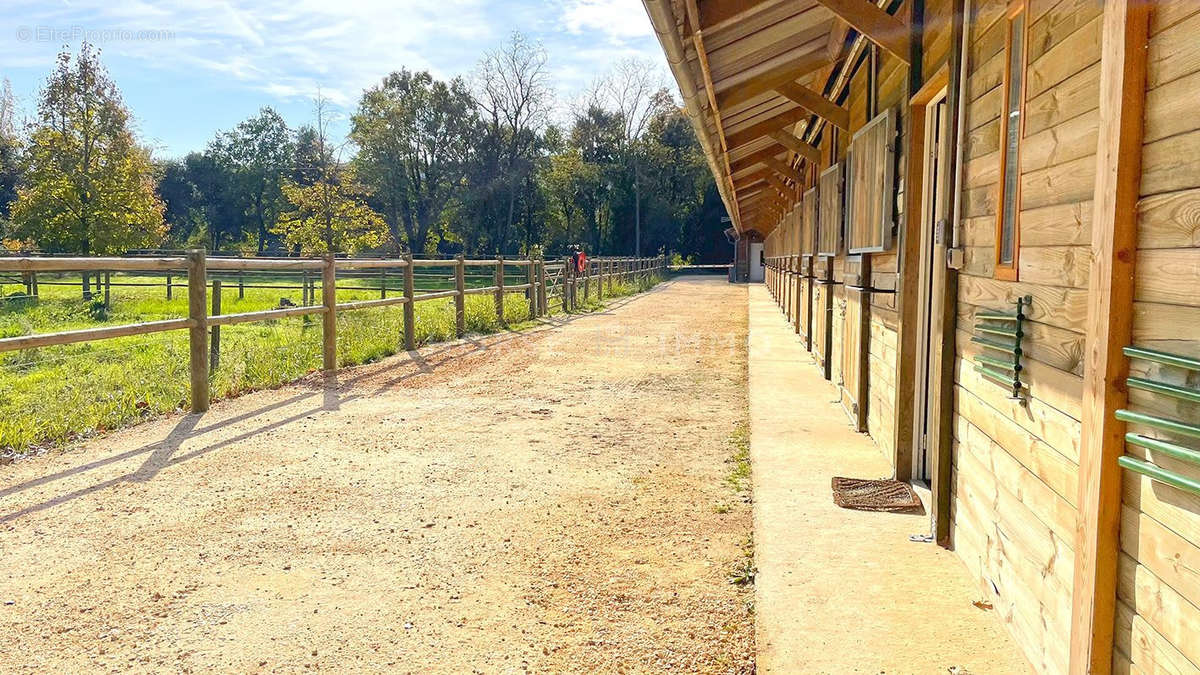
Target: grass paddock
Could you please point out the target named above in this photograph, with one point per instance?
(51, 395)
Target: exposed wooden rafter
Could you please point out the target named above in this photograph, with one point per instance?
(765, 128)
(784, 191)
(796, 145)
(735, 91)
(769, 152)
(784, 170)
(816, 104)
(878, 26)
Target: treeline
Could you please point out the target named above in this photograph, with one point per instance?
(473, 165)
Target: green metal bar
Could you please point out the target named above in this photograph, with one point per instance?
(998, 363)
(1010, 348)
(1160, 474)
(1003, 378)
(1159, 423)
(1008, 332)
(1171, 390)
(996, 316)
(1162, 357)
(1158, 445)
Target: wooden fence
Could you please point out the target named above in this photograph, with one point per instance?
(540, 281)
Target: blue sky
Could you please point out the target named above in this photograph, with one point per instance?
(188, 69)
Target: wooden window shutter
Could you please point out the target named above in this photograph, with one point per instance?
(829, 214)
(809, 245)
(870, 184)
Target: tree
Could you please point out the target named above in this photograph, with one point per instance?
(257, 152)
(88, 187)
(414, 136)
(330, 216)
(513, 92)
(328, 212)
(10, 149)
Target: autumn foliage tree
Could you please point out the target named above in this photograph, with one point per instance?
(87, 187)
(327, 212)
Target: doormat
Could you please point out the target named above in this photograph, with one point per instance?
(874, 495)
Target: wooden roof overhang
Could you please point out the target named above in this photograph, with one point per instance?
(760, 79)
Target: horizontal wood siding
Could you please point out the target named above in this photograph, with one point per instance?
(1159, 583)
(1016, 466)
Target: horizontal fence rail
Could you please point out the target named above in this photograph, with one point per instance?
(539, 280)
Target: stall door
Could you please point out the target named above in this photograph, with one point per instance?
(854, 343)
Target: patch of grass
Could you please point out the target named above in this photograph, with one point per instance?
(619, 289)
(743, 571)
(738, 478)
(54, 394)
(722, 508)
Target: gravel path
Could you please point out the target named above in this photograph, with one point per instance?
(546, 501)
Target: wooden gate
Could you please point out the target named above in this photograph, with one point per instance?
(854, 339)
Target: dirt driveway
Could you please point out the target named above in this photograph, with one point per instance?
(546, 501)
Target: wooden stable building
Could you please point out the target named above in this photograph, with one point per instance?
(983, 220)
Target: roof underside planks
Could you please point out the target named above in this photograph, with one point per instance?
(753, 75)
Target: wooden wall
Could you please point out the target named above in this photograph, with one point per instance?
(1015, 468)
(1158, 610)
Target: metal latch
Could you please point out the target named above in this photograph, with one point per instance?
(955, 258)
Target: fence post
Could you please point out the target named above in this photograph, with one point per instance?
(410, 312)
(566, 284)
(329, 325)
(500, 289)
(306, 297)
(383, 283)
(214, 337)
(198, 333)
(107, 290)
(460, 300)
(168, 286)
(600, 280)
(241, 286)
(33, 284)
(531, 292)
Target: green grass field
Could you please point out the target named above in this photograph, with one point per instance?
(51, 395)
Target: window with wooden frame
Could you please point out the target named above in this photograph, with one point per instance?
(1012, 127)
(870, 185)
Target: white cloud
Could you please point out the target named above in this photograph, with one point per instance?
(618, 19)
(275, 46)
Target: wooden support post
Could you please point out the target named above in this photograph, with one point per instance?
(383, 284)
(531, 292)
(587, 280)
(410, 315)
(198, 333)
(329, 325)
(460, 298)
(33, 281)
(500, 289)
(600, 280)
(214, 335)
(241, 285)
(168, 286)
(107, 290)
(1109, 330)
(304, 297)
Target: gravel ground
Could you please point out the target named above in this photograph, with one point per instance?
(552, 500)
